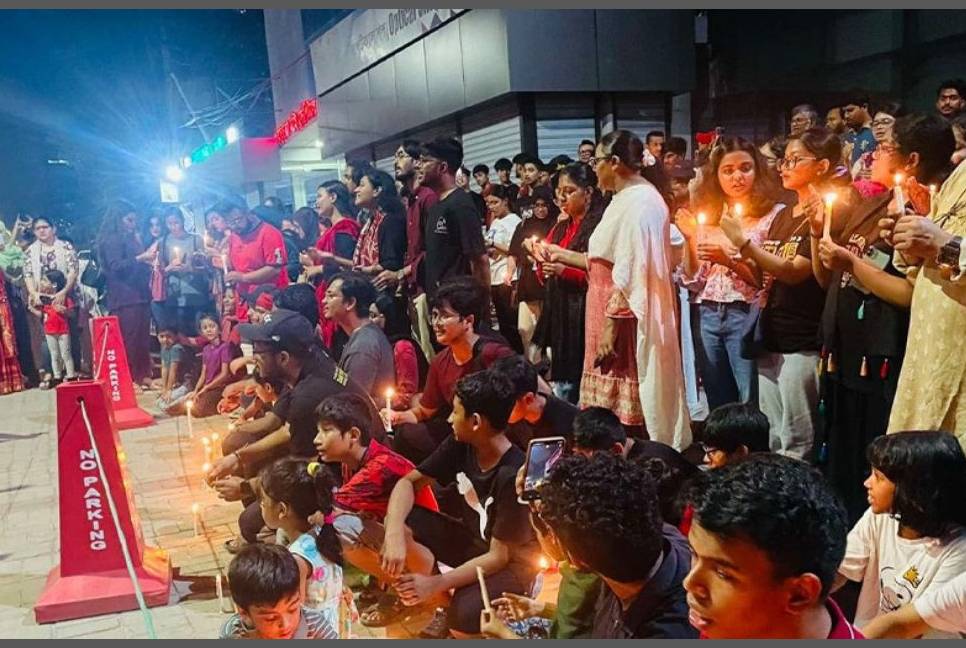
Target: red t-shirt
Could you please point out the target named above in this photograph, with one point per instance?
(368, 490)
(56, 323)
(444, 373)
(841, 628)
(263, 246)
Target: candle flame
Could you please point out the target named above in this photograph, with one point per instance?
(898, 178)
(932, 188)
(195, 508)
(544, 563)
(188, 405)
(206, 467)
(214, 436)
(702, 218)
(390, 392)
(830, 198)
(205, 441)
(739, 209)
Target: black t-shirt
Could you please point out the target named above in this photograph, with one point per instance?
(296, 405)
(529, 287)
(791, 319)
(454, 236)
(557, 420)
(489, 508)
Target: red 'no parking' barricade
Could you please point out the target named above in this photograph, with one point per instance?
(110, 366)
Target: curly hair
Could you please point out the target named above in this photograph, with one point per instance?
(710, 195)
(604, 511)
(929, 472)
(781, 505)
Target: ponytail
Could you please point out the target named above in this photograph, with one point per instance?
(327, 540)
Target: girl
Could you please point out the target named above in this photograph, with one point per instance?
(789, 350)
(530, 293)
(503, 224)
(410, 362)
(736, 183)
(56, 327)
(215, 372)
(382, 242)
(912, 538)
(216, 248)
(293, 490)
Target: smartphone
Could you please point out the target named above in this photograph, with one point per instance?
(542, 454)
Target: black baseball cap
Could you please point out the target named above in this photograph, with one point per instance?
(284, 329)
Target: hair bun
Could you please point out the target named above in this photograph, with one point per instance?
(313, 468)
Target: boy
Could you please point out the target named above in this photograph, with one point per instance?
(734, 431)
(544, 413)
(173, 360)
(767, 538)
(492, 531)
(265, 587)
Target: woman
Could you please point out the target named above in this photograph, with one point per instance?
(216, 248)
(932, 385)
(789, 349)
(410, 362)
(561, 325)
(503, 224)
(883, 121)
(530, 292)
(186, 270)
(153, 232)
(632, 362)
(726, 287)
(48, 253)
(128, 291)
(333, 252)
(867, 309)
(11, 270)
(301, 231)
(911, 539)
(382, 242)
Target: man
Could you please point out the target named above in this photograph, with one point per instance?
(503, 167)
(481, 173)
(256, 250)
(603, 511)
(266, 591)
(453, 236)
(654, 141)
(804, 116)
(419, 199)
(353, 172)
(457, 310)
(532, 169)
(834, 121)
(767, 538)
(675, 152)
(732, 432)
(463, 183)
(585, 152)
(546, 414)
(286, 351)
(367, 356)
(951, 98)
(859, 139)
(491, 533)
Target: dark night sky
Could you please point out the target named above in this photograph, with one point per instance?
(88, 86)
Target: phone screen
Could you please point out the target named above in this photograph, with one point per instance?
(542, 454)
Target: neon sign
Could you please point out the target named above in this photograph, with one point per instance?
(297, 121)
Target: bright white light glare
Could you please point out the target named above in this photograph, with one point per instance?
(173, 173)
(186, 162)
(232, 135)
(319, 143)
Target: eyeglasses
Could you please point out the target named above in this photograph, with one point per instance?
(439, 317)
(594, 161)
(791, 163)
(801, 120)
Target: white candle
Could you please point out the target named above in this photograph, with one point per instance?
(221, 593)
(933, 205)
(176, 253)
(187, 408)
(830, 198)
(739, 209)
(898, 179)
(389, 394)
(205, 469)
(216, 447)
(195, 511)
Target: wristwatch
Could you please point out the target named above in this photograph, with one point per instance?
(949, 254)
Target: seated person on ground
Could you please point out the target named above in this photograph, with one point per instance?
(766, 540)
(942, 609)
(734, 431)
(265, 587)
(536, 406)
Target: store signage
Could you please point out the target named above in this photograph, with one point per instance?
(307, 111)
(202, 153)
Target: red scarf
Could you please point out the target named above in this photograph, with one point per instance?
(327, 244)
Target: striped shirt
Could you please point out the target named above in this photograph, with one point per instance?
(313, 625)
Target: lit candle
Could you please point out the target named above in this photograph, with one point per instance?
(224, 265)
(898, 179)
(702, 221)
(187, 408)
(830, 198)
(389, 394)
(739, 209)
(176, 253)
(195, 514)
(544, 564)
(933, 205)
(207, 453)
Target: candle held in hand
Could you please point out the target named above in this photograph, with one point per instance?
(389, 394)
(898, 179)
(830, 199)
(702, 221)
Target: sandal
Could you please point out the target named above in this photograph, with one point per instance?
(45, 381)
(387, 611)
(369, 597)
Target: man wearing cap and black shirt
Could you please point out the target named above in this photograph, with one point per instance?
(286, 349)
(256, 249)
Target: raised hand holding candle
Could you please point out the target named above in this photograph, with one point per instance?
(702, 221)
(830, 198)
(898, 179)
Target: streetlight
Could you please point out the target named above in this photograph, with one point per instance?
(173, 173)
(319, 143)
(232, 134)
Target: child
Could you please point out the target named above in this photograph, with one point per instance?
(734, 431)
(173, 360)
(56, 327)
(265, 587)
(767, 536)
(215, 373)
(292, 490)
(912, 539)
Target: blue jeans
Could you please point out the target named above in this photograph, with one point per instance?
(728, 378)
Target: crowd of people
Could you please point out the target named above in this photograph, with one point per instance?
(387, 355)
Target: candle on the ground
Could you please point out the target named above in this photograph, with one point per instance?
(195, 510)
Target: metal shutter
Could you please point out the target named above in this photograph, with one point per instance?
(488, 144)
(387, 164)
(562, 136)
